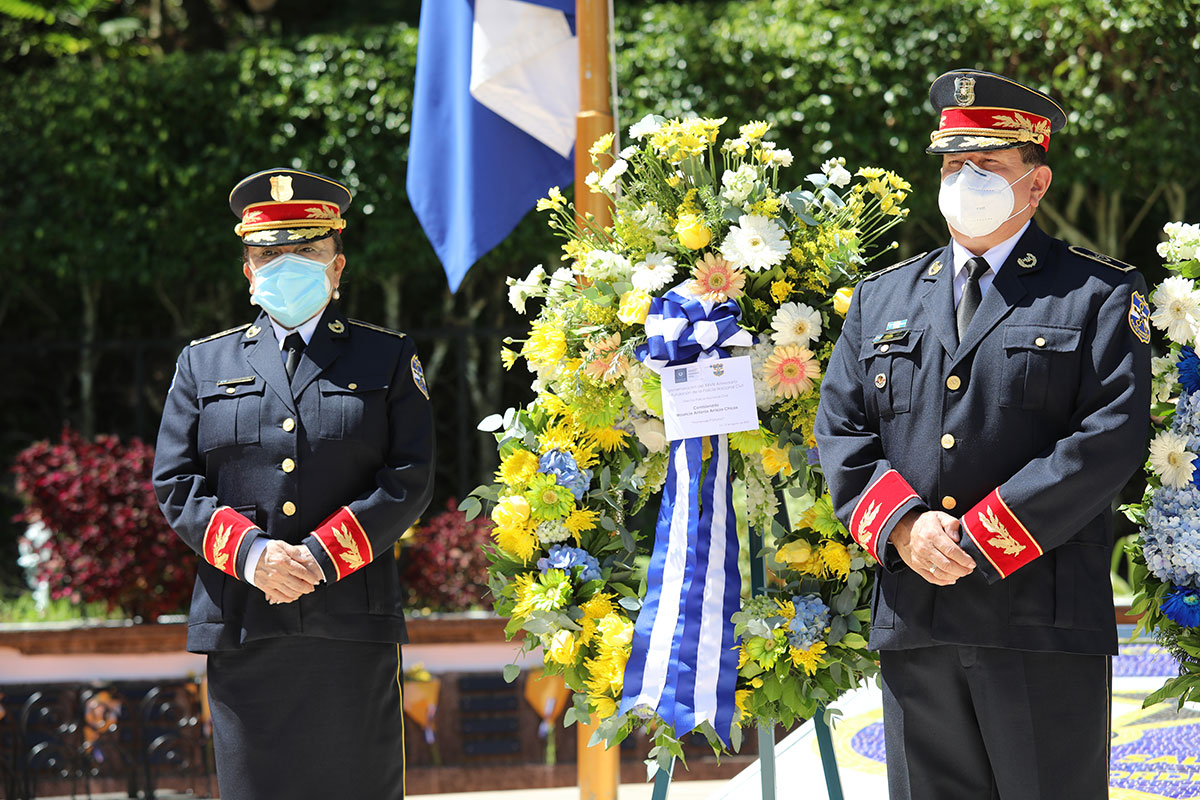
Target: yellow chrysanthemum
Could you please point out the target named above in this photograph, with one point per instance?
(546, 346)
(553, 199)
(517, 468)
(836, 559)
(587, 629)
(775, 461)
(810, 659)
(870, 172)
(782, 290)
(575, 250)
(603, 706)
(508, 357)
(599, 606)
(580, 520)
(518, 542)
(559, 436)
(787, 609)
(601, 145)
(609, 439)
(743, 655)
(742, 698)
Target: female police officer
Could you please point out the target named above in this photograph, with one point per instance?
(292, 453)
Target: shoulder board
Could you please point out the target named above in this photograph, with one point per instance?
(1107, 261)
(379, 328)
(219, 335)
(904, 263)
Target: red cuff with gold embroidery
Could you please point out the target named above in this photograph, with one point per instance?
(345, 542)
(222, 538)
(999, 535)
(876, 506)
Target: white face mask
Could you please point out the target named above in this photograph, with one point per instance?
(976, 202)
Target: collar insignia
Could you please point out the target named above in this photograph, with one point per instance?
(935, 268)
(253, 331)
(1027, 261)
(337, 327)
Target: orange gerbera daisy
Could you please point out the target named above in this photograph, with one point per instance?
(790, 370)
(716, 279)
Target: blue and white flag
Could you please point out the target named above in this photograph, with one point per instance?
(683, 663)
(493, 128)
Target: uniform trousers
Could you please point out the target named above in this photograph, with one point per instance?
(985, 723)
(301, 717)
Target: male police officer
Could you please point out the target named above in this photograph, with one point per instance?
(984, 405)
(293, 452)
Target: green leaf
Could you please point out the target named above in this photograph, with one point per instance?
(511, 671)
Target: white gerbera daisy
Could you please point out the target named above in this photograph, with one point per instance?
(1170, 458)
(755, 243)
(644, 127)
(1176, 309)
(655, 272)
(796, 323)
(520, 290)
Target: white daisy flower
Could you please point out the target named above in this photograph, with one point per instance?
(755, 242)
(1176, 309)
(796, 323)
(655, 272)
(609, 181)
(644, 127)
(1170, 458)
(520, 290)
(628, 152)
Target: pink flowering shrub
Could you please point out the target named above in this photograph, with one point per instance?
(444, 567)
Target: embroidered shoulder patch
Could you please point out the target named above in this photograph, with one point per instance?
(195, 342)
(419, 376)
(1139, 317)
(379, 328)
(904, 263)
(1107, 261)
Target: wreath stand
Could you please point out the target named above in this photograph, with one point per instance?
(766, 731)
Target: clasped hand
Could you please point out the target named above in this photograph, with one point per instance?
(928, 542)
(286, 571)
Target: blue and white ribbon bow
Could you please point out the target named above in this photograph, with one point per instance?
(683, 663)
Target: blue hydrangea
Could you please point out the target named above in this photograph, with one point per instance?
(562, 465)
(566, 558)
(814, 457)
(1182, 606)
(1189, 369)
(808, 626)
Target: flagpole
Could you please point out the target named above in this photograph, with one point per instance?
(599, 769)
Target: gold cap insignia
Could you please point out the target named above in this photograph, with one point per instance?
(281, 188)
(935, 268)
(1027, 261)
(337, 327)
(253, 331)
(964, 90)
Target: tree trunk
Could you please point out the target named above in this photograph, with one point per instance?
(391, 300)
(90, 294)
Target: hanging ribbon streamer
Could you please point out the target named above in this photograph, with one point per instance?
(683, 663)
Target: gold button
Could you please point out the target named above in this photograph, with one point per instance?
(1040, 342)
(880, 381)
(947, 441)
(289, 424)
(289, 508)
(230, 390)
(352, 386)
(949, 503)
(953, 382)
(288, 465)
(885, 348)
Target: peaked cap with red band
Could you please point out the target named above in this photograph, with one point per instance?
(984, 111)
(288, 206)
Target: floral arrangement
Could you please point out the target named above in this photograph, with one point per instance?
(705, 221)
(108, 541)
(442, 563)
(1166, 559)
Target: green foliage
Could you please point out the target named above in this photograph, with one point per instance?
(24, 608)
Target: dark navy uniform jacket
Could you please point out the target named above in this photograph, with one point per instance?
(340, 461)
(1025, 431)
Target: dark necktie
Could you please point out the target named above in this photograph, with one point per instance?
(972, 295)
(293, 346)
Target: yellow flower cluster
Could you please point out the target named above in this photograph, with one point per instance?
(677, 140)
(606, 672)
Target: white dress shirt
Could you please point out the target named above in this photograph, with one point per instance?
(995, 258)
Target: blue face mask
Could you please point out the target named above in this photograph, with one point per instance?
(291, 288)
